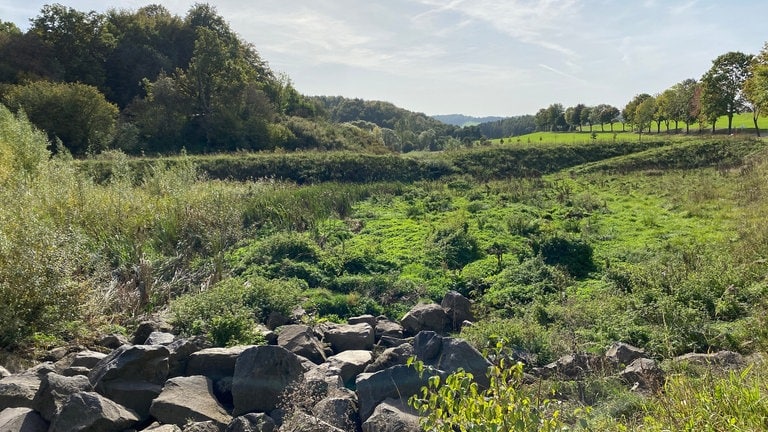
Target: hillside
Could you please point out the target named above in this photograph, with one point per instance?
(464, 120)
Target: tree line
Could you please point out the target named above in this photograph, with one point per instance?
(735, 83)
(148, 81)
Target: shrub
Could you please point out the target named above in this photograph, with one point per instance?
(458, 403)
(453, 246)
(575, 255)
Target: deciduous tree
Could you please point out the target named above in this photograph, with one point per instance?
(723, 86)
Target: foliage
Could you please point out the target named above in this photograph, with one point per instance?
(78, 114)
(575, 255)
(458, 403)
(722, 85)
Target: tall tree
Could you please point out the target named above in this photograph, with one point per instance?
(756, 86)
(723, 85)
(644, 114)
(79, 43)
(680, 107)
(629, 111)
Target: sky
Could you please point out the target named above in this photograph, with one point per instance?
(477, 57)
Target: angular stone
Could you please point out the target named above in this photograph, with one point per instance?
(18, 391)
(157, 427)
(398, 382)
(453, 354)
(725, 359)
(189, 398)
(22, 420)
(385, 327)
(391, 357)
(113, 341)
(215, 363)
(146, 328)
(392, 416)
(181, 350)
(322, 380)
(261, 376)
(206, 426)
(458, 308)
(367, 319)
(623, 353)
(4, 373)
(160, 338)
(350, 337)
(339, 410)
(429, 317)
(87, 411)
(350, 363)
(88, 359)
(54, 391)
(253, 422)
(132, 376)
(644, 373)
(300, 340)
(303, 422)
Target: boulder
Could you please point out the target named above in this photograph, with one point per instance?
(302, 422)
(22, 420)
(623, 353)
(350, 363)
(398, 382)
(55, 389)
(429, 317)
(570, 366)
(113, 341)
(262, 374)
(386, 327)
(132, 376)
(300, 340)
(458, 309)
(643, 373)
(723, 359)
(253, 422)
(159, 338)
(189, 398)
(350, 337)
(391, 357)
(215, 363)
(157, 427)
(206, 426)
(146, 328)
(87, 359)
(363, 319)
(18, 391)
(88, 411)
(339, 410)
(322, 380)
(451, 354)
(4, 373)
(392, 416)
(180, 352)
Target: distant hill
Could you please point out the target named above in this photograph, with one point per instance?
(462, 120)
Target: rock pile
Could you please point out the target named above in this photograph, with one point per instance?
(334, 377)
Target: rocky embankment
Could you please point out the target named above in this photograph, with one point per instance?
(331, 377)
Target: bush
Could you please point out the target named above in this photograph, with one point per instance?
(575, 255)
(453, 246)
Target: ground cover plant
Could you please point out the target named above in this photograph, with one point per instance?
(654, 246)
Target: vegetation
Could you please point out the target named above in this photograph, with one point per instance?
(566, 240)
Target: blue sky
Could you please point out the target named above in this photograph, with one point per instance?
(479, 57)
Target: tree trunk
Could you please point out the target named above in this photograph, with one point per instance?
(687, 128)
(611, 126)
(757, 129)
(602, 127)
(730, 121)
(713, 127)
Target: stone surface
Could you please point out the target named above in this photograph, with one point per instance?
(339, 410)
(206, 426)
(458, 308)
(215, 363)
(623, 353)
(180, 352)
(146, 328)
(132, 376)
(398, 382)
(18, 391)
(21, 420)
(392, 416)
(88, 359)
(54, 391)
(391, 357)
(350, 337)
(157, 427)
(322, 380)
(430, 317)
(113, 341)
(262, 374)
(159, 338)
(644, 373)
(350, 363)
(367, 319)
(189, 398)
(253, 422)
(4, 373)
(570, 366)
(300, 340)
(303, 422)
(386, 327)
(451, 354)
(88, 411)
